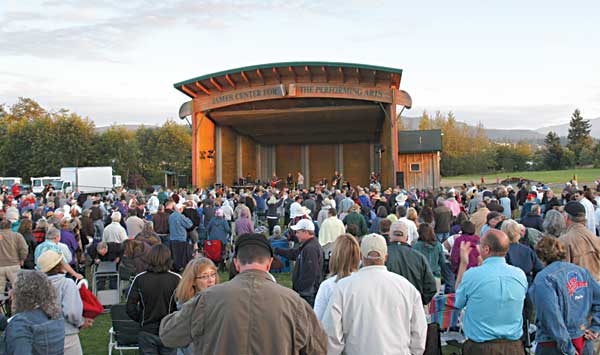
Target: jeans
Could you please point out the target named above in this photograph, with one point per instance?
(98, 230)
(150, 344)
(441, 237)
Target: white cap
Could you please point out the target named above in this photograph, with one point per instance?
(304, 224)
(373, 242)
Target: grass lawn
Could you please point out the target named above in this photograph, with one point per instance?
(584, 176)
(95, 339)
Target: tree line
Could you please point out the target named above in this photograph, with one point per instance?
(468, 150)
(38, 142)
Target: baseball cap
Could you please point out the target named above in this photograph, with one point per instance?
(399, 226)
(253, 239)
(373, 243)
(575, 209)
(304, 224)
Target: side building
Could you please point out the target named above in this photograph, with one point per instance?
(419, 159)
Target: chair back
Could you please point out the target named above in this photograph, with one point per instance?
(126, 329)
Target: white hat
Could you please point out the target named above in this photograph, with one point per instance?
(304, 224)
(401, 197)
(48, 260)
(12, 214)
(296, 210)
(373, 242)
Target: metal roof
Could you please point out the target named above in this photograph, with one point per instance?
(420, 141)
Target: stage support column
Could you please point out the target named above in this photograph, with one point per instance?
(238, 157)
(218, 155)
(203, 140)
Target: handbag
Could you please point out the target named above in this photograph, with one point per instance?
(92, 308)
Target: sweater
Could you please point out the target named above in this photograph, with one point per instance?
(13, 248)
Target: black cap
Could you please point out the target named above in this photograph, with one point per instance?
(575, 209)
(253, 239)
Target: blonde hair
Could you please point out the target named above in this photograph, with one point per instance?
(345, 257)
(513, 230)
(412, 215)
(186, 289)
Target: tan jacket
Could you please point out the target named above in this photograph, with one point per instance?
(250, 314)
(13, 248)
(583, 248)
(479, 219)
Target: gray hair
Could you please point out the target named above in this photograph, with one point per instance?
(34, 290)
(116, 216)
(101, 246)
(554, 223)
(512, 229)
(52, 233)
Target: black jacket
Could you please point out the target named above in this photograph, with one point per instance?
(533, 220)
(151, 297)
(115, 250)
(308, 270)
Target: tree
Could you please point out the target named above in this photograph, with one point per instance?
(425, 122)
(579, 135)
(553, 152)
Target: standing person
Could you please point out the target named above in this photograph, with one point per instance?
(409, 263)
(37, 327)
(493, 283)
(153, 203)
(468, 235)
(25, 229)
(161, 223)
(344, 260)
(134, 224)
(213, 321)
(331, 229)
(51, 263)
(565, 295)
(151, 297)
(114, 232)
(534, 218)
(443, 220)
(178, 239)
(590, 215)
(244, 225)
(375, 311)
(272, 215)
(354, 217)
(219, 229)
(300, 181)
(13, 253)
(308, 269)
(67, 237)
(432, 249)
(97, 216)
(582, 247)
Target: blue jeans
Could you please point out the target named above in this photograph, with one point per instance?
(441, 237)
(150, 344)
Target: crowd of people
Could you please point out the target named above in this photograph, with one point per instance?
(367, 263)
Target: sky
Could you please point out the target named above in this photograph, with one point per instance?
(507, 64)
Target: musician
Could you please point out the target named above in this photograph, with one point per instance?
(290, 180)
(274, 180)
(336, 180)
(300, 181)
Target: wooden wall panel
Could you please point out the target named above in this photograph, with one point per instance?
(205, 171)
(356, 163)
(229, 157)
(287, 160)
(428, 177)
(321, 162)
(248, 157)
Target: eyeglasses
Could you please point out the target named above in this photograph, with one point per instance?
(206, 277)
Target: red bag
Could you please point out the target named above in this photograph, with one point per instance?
(92, 308)
(212, 250)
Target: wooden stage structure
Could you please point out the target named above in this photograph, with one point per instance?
(313, 117)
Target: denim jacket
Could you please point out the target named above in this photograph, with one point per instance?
(32, 332)
(564, 295)
(178, 224)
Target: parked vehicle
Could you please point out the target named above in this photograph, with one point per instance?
(117, 181)
(10, 181)
(86, 180)
(39, 183)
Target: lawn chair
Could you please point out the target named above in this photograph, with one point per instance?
(123, 335)
(449, 318)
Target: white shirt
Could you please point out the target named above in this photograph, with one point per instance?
(114, 232)
(323, 295)
(227, 211)
(374, 311)
(413, 234)
(590, 214)
(152, 204)
(331, 228)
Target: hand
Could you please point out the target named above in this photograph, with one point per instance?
(465, 250)
(88, 322)
(78, 276)
(590, 335)
(96, 261)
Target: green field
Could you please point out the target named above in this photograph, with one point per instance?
(584, 176)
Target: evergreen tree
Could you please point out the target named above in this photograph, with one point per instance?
(579, 135)
(425, 122)
(553, 153)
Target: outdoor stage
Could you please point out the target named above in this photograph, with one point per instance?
(313, 117)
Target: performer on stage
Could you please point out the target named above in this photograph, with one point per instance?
(336, 180)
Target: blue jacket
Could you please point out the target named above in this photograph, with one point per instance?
(365, 201)
(261, 201)
(178, 225)
(564, 295)
(218, 228)
(32, 332)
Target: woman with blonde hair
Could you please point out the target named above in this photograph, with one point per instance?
(412, 215)
(344, 260)
(199, 274)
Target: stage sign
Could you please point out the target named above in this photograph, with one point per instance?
(235, 97)
(339, 91)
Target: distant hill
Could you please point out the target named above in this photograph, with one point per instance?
(502, 135)
(563, 129)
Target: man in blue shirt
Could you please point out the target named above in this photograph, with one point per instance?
(493, 295)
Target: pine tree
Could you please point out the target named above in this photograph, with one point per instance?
(425, 122)
(553, 152)
(579, 135)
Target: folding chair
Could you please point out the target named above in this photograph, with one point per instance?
(106, 270)
(123, 335)
(443, 312)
